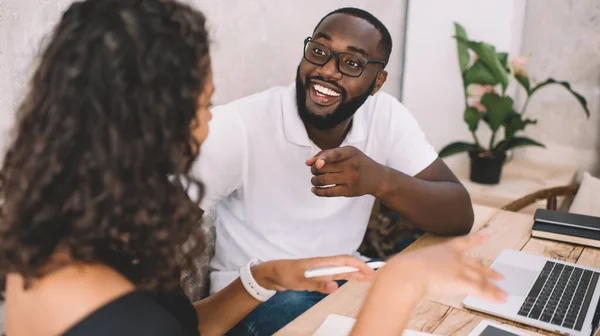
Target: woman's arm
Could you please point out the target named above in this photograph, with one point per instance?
(407, 278)
(387, 308)
(221, 311)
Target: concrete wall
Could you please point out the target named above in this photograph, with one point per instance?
(257, 44)
(22, 26)
(563, 39)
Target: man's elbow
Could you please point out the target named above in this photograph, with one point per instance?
(467, 215)
(467, 223)
(464, 218)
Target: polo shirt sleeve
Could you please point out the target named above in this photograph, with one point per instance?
(219, 165)
(409, 151)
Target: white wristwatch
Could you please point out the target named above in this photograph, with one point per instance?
(257, 291)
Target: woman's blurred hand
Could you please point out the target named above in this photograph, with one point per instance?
(444, 269)
(407, 278)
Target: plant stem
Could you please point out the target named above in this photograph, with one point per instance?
(492, 142)
(476, 140)
(525, 105)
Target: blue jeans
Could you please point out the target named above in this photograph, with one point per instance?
(270, 316)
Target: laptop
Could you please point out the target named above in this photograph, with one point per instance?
(545, 293)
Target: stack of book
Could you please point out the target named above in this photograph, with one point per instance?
(567, 227)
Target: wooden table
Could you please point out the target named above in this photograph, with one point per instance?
(519, 178)
(446, 315)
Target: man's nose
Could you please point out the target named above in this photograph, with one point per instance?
(330, 69)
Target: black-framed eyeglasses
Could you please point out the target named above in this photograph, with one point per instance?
(348, 64)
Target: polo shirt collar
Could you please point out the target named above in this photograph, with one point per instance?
(295, 131)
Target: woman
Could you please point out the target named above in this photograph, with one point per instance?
(94, 213)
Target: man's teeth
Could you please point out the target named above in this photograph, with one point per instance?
(326, 91)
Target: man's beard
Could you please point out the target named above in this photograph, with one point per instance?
(343, 112)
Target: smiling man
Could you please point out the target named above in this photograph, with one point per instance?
(294, 171)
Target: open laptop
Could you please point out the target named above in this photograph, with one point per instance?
(546, 293)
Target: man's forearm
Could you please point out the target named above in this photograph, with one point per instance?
(442, 208)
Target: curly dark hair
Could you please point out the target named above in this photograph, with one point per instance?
(103, 142)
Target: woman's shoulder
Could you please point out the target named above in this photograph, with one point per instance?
(90, 300)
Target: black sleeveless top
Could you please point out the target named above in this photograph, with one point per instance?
(141, 313)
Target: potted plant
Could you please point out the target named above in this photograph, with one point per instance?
(485, 78)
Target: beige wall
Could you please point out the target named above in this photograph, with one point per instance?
(257, 44)
(432, 87)
(563, 38)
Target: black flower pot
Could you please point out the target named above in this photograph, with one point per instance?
(486, 169)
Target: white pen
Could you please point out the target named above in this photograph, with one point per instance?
(318, 272)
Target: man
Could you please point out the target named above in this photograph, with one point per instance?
(294, 171)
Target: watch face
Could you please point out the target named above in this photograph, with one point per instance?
(493, 331)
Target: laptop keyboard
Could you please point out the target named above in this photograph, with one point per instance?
(561, 295)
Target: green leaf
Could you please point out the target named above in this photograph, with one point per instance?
(472, 117)
(498, 109)
(514, 123)
(479, 73)
(515, 142)
(503, 58)
(457, 147)
(567, 86)
(487, 55)
(524, 81)
(463, 53)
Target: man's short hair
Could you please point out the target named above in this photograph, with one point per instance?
(385, 44)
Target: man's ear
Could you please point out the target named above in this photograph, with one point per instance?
(381, 77)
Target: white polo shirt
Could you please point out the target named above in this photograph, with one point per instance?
(252, 165)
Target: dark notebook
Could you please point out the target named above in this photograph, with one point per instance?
(567, 227)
